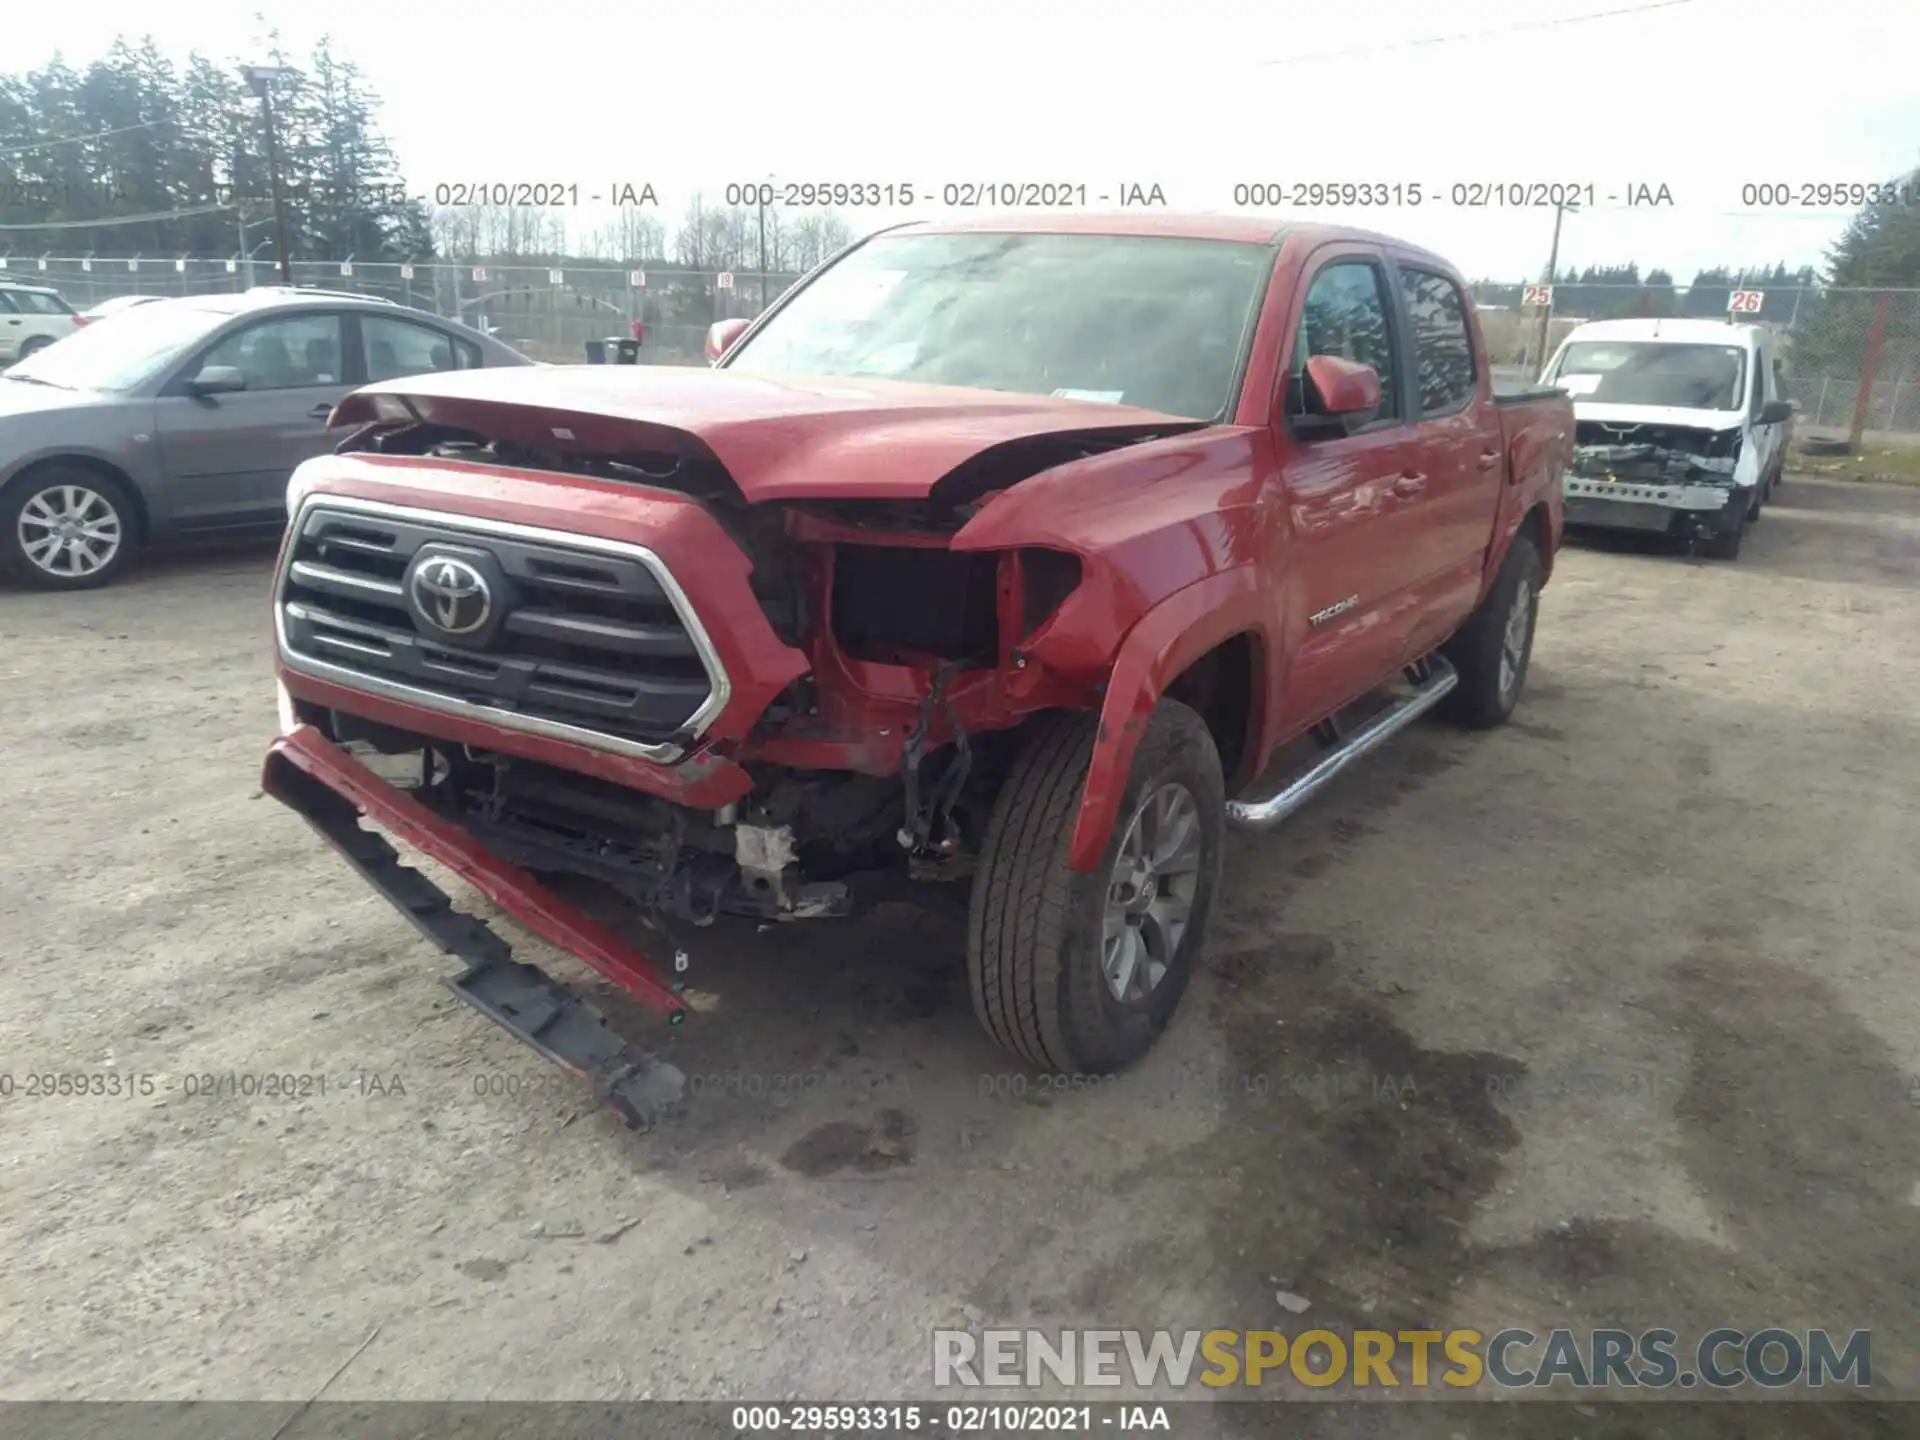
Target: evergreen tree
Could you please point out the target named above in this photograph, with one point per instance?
(1879, 250)
(134, 135)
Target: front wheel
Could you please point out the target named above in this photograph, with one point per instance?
(64, 527)
(1725, 545)
(1079, 974)
(1493, 649)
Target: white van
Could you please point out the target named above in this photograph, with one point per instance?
(1681, 427)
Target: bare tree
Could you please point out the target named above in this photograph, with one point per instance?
(634, 234)
(814, 237)
(690, 240)
(499, 231)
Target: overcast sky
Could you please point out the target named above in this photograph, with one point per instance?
(1701, 96)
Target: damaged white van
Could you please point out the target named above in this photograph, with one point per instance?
(1681, 427)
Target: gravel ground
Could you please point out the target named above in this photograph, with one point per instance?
(1638, 970)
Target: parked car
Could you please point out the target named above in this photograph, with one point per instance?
(118, 304)
(186, 417)
(997, 553)
(1683, 427)
(32, 317)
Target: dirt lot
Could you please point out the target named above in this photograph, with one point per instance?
(1639, 970)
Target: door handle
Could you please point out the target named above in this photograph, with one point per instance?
(320, 411)
(1409, 484)
(1488, 459)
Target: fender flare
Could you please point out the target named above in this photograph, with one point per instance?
(1532, 477)
(1162, 644)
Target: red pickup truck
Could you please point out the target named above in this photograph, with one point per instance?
(1011, 553)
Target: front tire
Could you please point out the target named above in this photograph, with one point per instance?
(65, 527)
(1079, 974)
(1492, 650)
(1725, 544)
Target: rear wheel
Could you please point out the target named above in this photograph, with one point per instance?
(33, 346)
(64, 527)
(1079, 974)
(1492, 650)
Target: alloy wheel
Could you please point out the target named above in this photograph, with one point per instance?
(1150, 892)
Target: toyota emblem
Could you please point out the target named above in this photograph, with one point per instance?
(452, 595)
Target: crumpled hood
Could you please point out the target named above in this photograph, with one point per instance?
(1659, 415)
(779, 439)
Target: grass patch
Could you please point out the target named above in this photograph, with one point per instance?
(1894, 464)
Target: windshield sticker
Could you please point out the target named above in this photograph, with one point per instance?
(1101, 397)
(891, 361)
(1580, 384)
(853, 296)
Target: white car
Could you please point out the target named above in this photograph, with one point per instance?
(1681, 427)
(32, 317)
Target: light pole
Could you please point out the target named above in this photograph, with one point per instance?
(249, 261)
(241, 225)
(261, 78)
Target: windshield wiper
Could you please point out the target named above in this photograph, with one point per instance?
(32, 380)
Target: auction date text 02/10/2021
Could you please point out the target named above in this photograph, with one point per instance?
(1067, 194)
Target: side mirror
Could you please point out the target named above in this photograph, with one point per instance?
(217, 380)
(1776, 412)
(722, 335)
(1342, 388)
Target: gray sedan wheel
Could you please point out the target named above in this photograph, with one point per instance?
(66, 528)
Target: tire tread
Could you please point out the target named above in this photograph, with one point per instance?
(1019, 909)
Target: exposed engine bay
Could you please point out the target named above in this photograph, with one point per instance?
(1656, 454)
(803, 845)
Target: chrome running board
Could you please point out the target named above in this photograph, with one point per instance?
(1432, 680)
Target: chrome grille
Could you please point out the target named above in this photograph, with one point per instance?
(577, 637)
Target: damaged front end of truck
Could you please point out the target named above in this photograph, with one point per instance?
(534, 642)
(1685, 481)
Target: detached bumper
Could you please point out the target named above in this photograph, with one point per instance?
(331, 790)
(1686, 508)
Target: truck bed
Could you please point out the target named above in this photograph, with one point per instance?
(1518, 392)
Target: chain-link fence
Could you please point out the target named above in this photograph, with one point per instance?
(1851, 357)
(549, 312)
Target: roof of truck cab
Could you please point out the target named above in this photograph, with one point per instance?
(1673, 332)
(1184, 225)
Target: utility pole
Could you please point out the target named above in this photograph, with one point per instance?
(261, 78)
(1560, 209)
